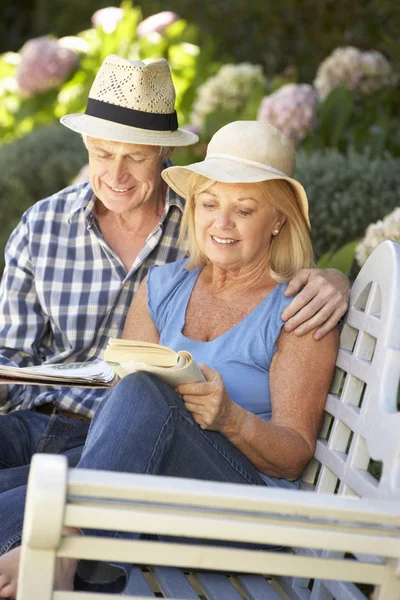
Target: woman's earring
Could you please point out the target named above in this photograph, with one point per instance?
(276, 231)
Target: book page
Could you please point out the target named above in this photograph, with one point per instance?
(184, 371)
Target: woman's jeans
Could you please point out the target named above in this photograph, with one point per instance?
(142, 426)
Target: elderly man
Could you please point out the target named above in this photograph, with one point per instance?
(76, 259)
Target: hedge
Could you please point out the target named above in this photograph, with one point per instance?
(346, 193)
(34, 167)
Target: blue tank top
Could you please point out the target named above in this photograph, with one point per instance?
(242, 355)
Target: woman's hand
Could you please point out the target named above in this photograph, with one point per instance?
(208, 402)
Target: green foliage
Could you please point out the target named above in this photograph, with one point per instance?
(33, 168)
(342, 259)
(346, 119)
(290, 33)
(275, 34)
(346, 193)
(178, 44)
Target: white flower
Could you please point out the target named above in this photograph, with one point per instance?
(44, 64)
(387, 229)
(228, 90)
(366, 72)
(291, 109)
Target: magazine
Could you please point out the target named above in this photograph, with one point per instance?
(121, 358)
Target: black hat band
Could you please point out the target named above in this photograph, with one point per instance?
(131, 117)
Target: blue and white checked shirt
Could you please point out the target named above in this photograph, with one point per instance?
(64, 292)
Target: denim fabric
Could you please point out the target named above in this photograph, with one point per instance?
(142, 426)
(22, 434)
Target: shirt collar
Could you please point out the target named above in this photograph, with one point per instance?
(85, 198)
(84, 201)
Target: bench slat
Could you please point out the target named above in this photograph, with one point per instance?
(173, 583)
(137, 584)
(217, 587)
(257, 588)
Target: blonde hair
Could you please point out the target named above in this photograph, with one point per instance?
(290, 250)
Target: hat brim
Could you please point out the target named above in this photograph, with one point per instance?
(226, 171)
(115, 132)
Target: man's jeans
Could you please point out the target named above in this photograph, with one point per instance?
(23, 433)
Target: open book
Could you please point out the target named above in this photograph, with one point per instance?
(121, 358)
(127, 356)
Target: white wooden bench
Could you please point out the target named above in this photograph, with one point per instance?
(347, 533)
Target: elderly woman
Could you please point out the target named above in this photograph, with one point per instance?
(255, 418)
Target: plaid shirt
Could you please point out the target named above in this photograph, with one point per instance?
(64, 291)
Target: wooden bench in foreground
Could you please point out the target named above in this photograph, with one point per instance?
(340, 533)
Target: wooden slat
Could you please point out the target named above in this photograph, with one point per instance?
(228, 496)
(257, 588)
(217, 558)
(217, 586)
(173, 583)
(137, 584)
(93, 596)
(224, 527)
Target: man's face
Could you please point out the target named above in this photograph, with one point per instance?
(124, 176)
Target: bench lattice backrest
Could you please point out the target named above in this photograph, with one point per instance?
(358, 451)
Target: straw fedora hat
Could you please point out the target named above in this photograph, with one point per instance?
(244, 152)
(132, 102)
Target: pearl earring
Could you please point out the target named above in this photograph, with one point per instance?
(276, 231)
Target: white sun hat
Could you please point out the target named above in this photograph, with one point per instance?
(132, 102)
(244, 152)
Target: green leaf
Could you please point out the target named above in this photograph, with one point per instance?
(342, 259)
(324, 261)
(334, 115)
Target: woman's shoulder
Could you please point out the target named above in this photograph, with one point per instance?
(278, 299)
(167, 286)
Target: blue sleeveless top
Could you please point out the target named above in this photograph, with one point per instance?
(242, 355)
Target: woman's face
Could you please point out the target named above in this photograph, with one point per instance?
(234, 224)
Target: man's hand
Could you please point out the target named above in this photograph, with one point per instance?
(323, 301)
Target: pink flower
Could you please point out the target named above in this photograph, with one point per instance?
(156, 23)
(366, 72)
(107, 18)
(192, 128)
(44, 65)
(291, 109)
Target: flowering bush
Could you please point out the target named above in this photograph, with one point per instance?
(291, 109)
(107, 18)
(366, 72)
(156, 23)
(387, 229)
(44, 64)
(229, 90)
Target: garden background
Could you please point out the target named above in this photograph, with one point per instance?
(325, 72)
